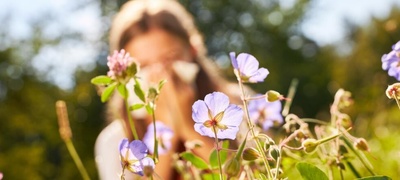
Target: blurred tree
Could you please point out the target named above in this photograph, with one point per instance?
(357, 67)
(30, 145)
(270, 31)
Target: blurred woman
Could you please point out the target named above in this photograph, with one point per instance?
(162, 37)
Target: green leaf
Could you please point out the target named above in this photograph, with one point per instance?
(161, 84)
(101, 80)
(195, 160)
(210, 176)
(375, 178)
(138, 90)
(223, 154)
(107, 92)
(136, 107)
(123, 91)
(149, 109)
(310, 172)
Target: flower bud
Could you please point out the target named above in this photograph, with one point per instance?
(232, 167)
(310, 145)
(148, 171)
(361, 144)
(346, 121)
(274, 152)
(300, 135)
(132, 69)
(152, 94)
(393, 91)
(250, 154)
(272, 96)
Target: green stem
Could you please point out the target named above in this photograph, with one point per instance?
(123, 173)
(131, 123)
(221, 177)
(397, 101)
(278, 163)
(250, 124)
(362, 158)
(292, 91)
(155, 158)
(353, 169)
(77, 160)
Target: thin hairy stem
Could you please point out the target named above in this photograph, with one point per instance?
(221, 177)
(77, 160)
(131, 123)
(250, 125)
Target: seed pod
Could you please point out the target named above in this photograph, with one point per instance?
(274, 152)
(272, 96)
(361, 144)
(232, 167)
(310, 145)
(250, 154)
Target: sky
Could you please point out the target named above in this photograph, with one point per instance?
(324, 25)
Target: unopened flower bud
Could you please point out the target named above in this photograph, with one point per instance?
(274, 152)
(393, 91)
(148, 171)
(361, 144)
(132, 69)
(272, 96)
(250, 154)
(232, 167)
(148, 166)
(346, 121)
(310, 145)
(152, 94)
(300, 135)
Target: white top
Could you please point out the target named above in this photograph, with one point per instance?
(107, 152)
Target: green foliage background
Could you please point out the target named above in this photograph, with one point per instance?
(30, 145)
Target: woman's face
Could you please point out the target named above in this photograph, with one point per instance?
(158, 47)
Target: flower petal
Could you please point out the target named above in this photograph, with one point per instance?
(247, 63)
(233, 116)
(147, 161)
(259, 76)
(136, 167)
(233, 60)
(229, 133)
(216, 102)
(204, 131)
(200, 111)
(124, 147)
(138, 149)
(164, 135)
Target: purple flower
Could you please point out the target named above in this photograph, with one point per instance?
(215, 115)
(121, 65)
(246, 67)
(391, 61)
(164, 135)
(134, 156)
(264, 113)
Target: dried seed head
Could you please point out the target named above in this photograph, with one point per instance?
(63, 122)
